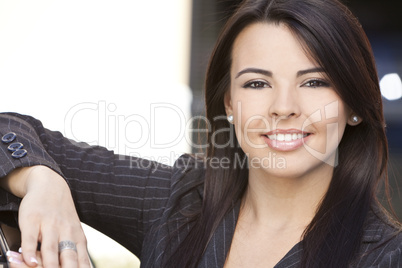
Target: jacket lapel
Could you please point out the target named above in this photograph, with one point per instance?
(219, 245)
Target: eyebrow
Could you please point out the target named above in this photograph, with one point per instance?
(312, 70)
(269, 73)
(254, 70)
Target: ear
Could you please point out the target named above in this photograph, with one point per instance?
(228, 103)
(354, 119)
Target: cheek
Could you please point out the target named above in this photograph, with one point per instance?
(336, 115)
(329, 124)
(327, 110)
(250, 121)
(249, 107)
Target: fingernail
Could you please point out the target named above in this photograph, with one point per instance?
(34, 260)
(12, 254)
(14, 260)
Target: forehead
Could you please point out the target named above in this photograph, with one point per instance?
(269, 45)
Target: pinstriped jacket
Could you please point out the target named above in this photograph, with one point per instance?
(133, 200)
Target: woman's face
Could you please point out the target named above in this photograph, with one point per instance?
(288, 118)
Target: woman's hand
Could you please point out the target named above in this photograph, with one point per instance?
(47, 215)
(16, 260)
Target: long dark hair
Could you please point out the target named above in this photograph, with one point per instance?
(334, 39)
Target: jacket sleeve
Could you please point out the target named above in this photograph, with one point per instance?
(120, 196)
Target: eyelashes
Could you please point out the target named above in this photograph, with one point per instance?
(312, 83)
(256, 84)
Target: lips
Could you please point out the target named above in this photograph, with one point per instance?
(286, 139)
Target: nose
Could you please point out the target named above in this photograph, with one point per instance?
(284, 103)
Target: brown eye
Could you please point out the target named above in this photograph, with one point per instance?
(316, 83)
(256, 85)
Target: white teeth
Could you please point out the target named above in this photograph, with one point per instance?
(272, 137)
(286, 137)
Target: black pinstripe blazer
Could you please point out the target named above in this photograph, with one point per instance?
(133, 200)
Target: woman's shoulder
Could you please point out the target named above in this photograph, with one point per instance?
(380, 220)
(188, 173)
(382, 240)
(188, 164)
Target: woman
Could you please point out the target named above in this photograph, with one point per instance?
(289, 180)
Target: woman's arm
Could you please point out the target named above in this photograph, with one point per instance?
(118, 195)
(44, 192)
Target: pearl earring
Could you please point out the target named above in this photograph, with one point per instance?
(230, 119)
(355, 119)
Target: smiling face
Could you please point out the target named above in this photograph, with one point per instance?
(283, 104)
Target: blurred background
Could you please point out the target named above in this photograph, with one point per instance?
(100, 70)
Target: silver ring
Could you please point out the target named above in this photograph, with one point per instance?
(67, 244)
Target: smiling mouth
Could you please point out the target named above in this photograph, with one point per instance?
(287, 134)
(286, 140)
(287, 137)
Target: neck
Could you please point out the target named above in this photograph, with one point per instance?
(282, 202)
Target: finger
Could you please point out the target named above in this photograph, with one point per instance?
(68, 258)
(83, 258)
(78, 240)
(16, 260)
(49, 248)
(29, 243)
